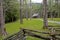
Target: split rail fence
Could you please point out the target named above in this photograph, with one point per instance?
(21, 35)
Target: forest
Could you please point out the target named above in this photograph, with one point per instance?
(11, 9)
(29, 20)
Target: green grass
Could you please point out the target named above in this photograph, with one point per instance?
(55, 19)
(32, 38)
(28, 24)
(54, 24)
(14, 27)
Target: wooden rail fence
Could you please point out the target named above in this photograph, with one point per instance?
(21, 35)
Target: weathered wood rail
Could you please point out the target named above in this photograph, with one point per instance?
(16, 36)
(21, 35)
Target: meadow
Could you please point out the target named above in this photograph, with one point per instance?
(33, 24)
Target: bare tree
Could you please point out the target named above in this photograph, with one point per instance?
(50, 8)
(30, 10)
(26, 6)
(1, 19)
(21, 11)
(56, 1)
(45, 13)
(26, 14)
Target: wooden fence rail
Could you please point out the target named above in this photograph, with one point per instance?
(16, 36)
(21, 35)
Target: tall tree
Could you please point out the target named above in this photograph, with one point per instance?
(50, 8)
(45, 13)
(30, 10)
(21, 11)
(57, 9)
(26, 7)
(1, 19)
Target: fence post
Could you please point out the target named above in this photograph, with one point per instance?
(24, 34)
(53, 34)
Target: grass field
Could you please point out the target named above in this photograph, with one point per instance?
(55, 19)
(29, 24)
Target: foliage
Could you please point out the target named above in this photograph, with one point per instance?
(11, 10)
(53, 7)
(36, 7)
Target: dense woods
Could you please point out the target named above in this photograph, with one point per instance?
(11, 10)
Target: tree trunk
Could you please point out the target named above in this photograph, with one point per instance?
(45, 13)
(21, 11)
(30, 10)
(50, 2)
(1, 19)
(26, 13)
(57, 8)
